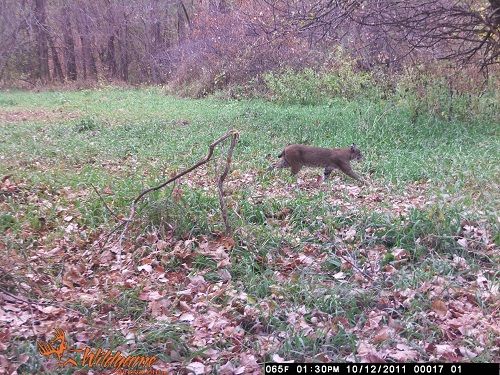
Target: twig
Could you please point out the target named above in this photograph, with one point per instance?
(223, 207)
(356, 267)
(232, 133)
(43, 303)
(112, 232)
(104, 202)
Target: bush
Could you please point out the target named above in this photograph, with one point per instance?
(86, 124)
(448, 95)
(221, 53)
(335, 78)
(302, 87)
(442, 93)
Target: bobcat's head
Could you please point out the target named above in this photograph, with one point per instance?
(355, 153)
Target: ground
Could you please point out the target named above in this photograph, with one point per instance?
(404, 268)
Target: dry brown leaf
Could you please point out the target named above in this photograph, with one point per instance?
(404, 355)
(197, 368)
(161, 245)
(145, 267)
(278, 359)
(439, 307)
(227, 369)
(382, 335)
(186, 317)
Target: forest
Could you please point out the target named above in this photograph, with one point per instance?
(207, 186)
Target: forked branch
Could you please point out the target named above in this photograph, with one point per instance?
(223, 207)
(233, 134)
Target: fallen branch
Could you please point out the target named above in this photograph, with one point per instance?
(104, 202)
(233, 134)
(31, 302)
(355, 267)
(223, 207)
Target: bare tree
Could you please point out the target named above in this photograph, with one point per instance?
(234, 40)
(13, 25)
(41, 34)
(69, 43)
(461, 30)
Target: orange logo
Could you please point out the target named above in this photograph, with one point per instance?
(58, 347)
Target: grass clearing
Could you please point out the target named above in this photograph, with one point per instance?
(327, 273)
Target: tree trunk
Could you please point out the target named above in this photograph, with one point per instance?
(109, 55)
(156, 43)
(88, 53)
(88, 62)
(124, 45)
(42, 40)
(69, 45)
(58, 72)
(181, 22)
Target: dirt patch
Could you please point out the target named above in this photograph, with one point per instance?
(35, 115)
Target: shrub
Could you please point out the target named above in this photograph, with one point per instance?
(222, 52)
(450, 95)
(340, 78)
(295, 87)
(86, 124)
(335, 77)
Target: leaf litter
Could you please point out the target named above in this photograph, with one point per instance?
(68, 282)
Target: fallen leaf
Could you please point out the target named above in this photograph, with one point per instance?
(339, 275)
(381, 336)
(276, 358)
(439, 307)
(468, 353)
(196, 367)
(145, 267)
(161, 245)
(186, 317)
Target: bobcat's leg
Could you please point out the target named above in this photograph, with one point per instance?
(346, 168)
(295, 169)
(328, 171)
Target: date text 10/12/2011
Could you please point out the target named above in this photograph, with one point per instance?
(382, 368)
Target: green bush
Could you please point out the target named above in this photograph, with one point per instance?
(295, 87)
(86, 124)
(336, 78)
(441, 92)
(427, 93)
(340, 79)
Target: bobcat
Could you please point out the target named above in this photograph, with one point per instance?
(298, 156)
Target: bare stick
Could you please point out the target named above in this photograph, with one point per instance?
(223, 207)
(44, 303)
(104, 202)
(231, 133)
(356, 267)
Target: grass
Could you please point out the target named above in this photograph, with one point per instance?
(139, 126)
(123, 140)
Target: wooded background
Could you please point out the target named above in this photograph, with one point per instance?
(219, 42)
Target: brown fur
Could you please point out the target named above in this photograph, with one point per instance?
(298, 156)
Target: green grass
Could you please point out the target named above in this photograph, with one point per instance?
(135, 135)
(140, 126)
(124, 140)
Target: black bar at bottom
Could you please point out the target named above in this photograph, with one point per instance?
(383, 368)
